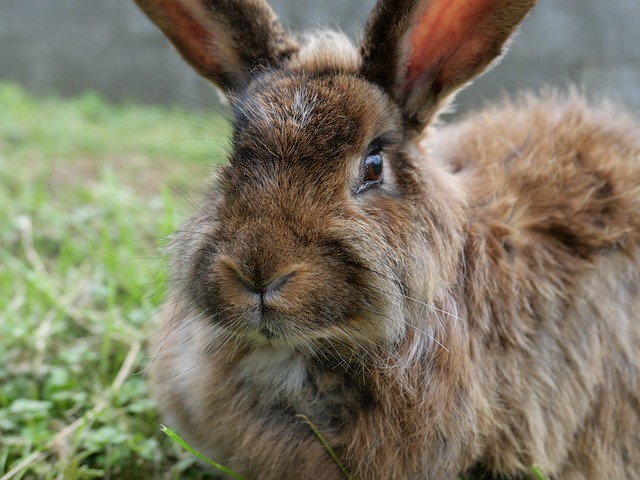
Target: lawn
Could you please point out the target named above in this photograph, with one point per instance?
(89, 195)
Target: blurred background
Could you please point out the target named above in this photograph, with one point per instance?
(70, 46)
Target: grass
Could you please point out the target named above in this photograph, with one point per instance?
(176, 438)
(326, 446)
(87, 201)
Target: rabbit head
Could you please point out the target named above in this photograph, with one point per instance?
(328, 221)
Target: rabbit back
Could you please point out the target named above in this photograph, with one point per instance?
(553, 278)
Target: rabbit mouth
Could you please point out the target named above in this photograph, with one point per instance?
(267, 333)
(268, 328)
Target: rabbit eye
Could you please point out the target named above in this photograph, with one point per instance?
(372, 171)
(373, 168)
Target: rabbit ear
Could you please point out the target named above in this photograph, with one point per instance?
(224, 40)
(421, 51)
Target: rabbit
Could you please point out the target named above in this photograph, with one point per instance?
(439, 301)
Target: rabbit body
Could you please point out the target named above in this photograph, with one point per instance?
(471, 311)
(542, 363)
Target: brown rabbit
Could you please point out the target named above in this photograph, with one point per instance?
(459, 301)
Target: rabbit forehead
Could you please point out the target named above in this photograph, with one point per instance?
(293, 117)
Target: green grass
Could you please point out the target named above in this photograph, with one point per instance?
(87, 201)
(177, 439)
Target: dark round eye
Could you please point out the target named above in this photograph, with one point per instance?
(373, 168)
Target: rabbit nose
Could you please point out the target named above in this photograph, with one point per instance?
(241, 287)
(270, 287)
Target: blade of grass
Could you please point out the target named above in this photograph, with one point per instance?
(176, 438)
(540, 475)
(326, 445)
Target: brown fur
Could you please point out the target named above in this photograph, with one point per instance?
(474, 313)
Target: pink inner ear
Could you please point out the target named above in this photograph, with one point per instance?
(447, 40)
(190, 36)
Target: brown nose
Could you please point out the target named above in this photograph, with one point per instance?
(243, 287)
(265, 289)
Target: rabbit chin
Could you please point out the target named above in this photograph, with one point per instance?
(272, 368)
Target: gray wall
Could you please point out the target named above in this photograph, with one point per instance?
(69, 46)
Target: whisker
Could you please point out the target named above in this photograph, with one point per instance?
(431, 337)
(433, 307)
(404, 295)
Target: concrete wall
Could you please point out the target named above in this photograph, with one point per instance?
(69, 46)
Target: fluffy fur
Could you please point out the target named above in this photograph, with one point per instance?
(471, 314)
